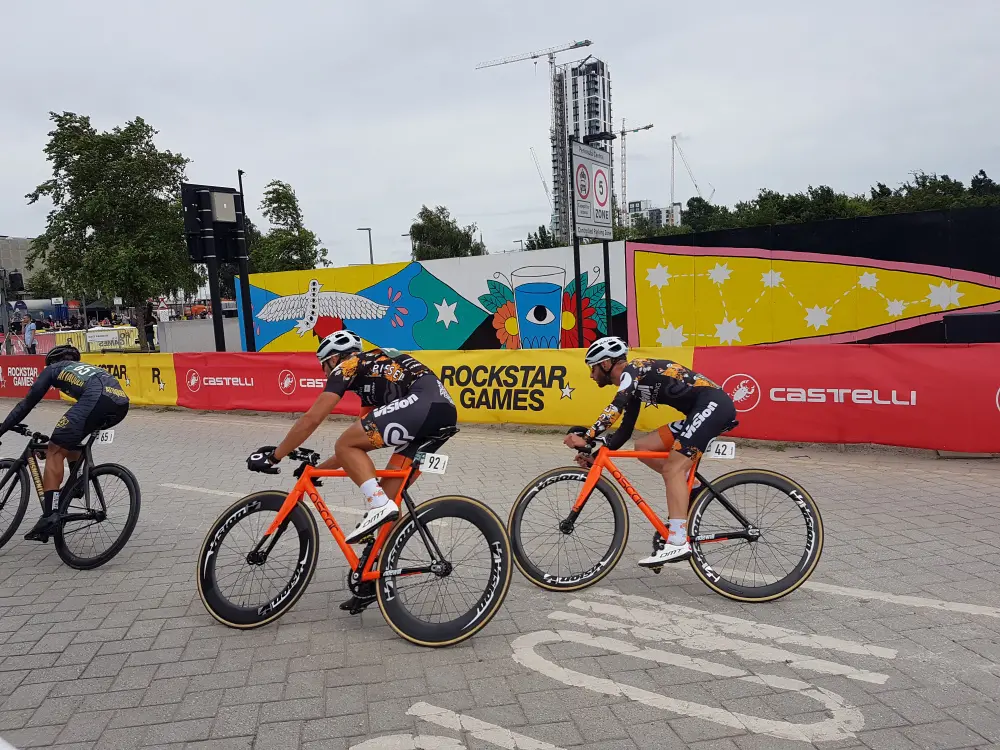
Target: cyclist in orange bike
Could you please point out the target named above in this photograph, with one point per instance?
(708, 409)
(402, 401)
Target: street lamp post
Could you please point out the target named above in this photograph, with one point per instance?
(371, 253)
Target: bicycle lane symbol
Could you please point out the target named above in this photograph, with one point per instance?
(649, 620)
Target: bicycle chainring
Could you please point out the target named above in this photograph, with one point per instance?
(358, 587)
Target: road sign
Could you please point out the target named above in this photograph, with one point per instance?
(118, 301)
(592, 192)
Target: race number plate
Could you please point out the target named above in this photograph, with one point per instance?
(105, 437)
(721, 449)
(434, 463)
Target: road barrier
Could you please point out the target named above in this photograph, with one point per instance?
(942, 397)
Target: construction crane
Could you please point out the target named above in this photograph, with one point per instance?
(676, 147)
(624, 207)
(541, 177)
(550, 53)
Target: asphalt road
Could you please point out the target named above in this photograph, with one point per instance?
(894, 643)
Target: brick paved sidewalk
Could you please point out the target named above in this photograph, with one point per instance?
(126, 656)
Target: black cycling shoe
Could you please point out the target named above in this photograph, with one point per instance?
(44, 527)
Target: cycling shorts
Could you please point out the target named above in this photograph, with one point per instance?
(95, 410)
(423, 411)
(713, 411)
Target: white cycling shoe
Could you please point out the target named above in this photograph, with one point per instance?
(372, 520)
(669, 553)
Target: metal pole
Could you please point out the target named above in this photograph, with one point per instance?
(576, 245)
(607, 288)
(212, 261)
(371, 254)
(8, 344)
(242, 260)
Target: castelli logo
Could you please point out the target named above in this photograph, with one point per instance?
(286, 382)
(744, 390)
(193, 380)
(998, 399)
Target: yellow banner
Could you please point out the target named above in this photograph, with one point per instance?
(148, 379)
(536, 386)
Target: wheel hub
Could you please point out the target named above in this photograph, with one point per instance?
(441, 569)
(257, 557)
(566, 526)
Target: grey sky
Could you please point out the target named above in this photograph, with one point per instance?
(371, 109)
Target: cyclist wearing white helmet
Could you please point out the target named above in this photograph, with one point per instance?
(402, 400)
(708, 409)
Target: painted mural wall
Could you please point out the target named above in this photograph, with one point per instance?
(524, 300)
(691, 296)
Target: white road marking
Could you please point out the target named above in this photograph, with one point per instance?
(685, 628)
(843, 720)
(410, 742)
(741, 627)
(909, 601)
(225, 493)
(481, 730)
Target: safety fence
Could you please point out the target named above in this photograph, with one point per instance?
(944, 397)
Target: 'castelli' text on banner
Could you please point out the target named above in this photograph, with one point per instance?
(943, 397)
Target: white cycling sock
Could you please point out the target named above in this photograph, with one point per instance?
(678, 531)
(374, 495)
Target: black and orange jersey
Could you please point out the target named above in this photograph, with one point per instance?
(651, 381)
(375, 376)
(73, 379)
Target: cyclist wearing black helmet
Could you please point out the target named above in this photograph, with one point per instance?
(708, 410)
(100, 403)
(402, 400)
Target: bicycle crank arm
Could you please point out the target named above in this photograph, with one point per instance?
(751, 535)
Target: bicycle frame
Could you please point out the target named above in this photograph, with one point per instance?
(29, 458)
(305, 487)
(603, 461)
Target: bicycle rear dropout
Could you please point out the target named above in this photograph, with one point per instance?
(439, 573)
(755, 535)
(98, 505)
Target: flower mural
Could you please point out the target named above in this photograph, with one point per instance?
(505, 323)
(570, 335)
(538, 314)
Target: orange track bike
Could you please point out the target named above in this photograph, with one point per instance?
(755, 535)
(440, 573)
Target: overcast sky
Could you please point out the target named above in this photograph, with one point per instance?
(371, 109)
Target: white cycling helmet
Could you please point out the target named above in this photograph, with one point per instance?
(609, 347)
(338, 342)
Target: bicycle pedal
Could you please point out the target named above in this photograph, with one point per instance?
(657, 570)
(356, 605)
(369, 539)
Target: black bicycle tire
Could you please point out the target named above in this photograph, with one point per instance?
(436, 635)
(582, 580)
(25, 480)
(247, 618)
(135, 505)
(792, 580)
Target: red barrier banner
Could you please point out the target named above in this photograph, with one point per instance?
(256, 381)
(18, 373)
(940, 397)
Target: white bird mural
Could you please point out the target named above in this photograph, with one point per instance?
(309, 307)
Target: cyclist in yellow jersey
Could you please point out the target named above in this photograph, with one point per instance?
(708, 409)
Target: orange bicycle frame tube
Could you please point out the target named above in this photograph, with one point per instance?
(304, 487)
(603, 461)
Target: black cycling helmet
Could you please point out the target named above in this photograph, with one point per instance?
(61, 353)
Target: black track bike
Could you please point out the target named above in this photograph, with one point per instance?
(99, 504)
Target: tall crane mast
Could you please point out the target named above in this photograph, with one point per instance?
(675, 146)
(545, 185)
(624, 207)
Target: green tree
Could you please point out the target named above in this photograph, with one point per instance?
(435, 234)
(540, 240)
(288, 245)
(41, 285)
(115, 228)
